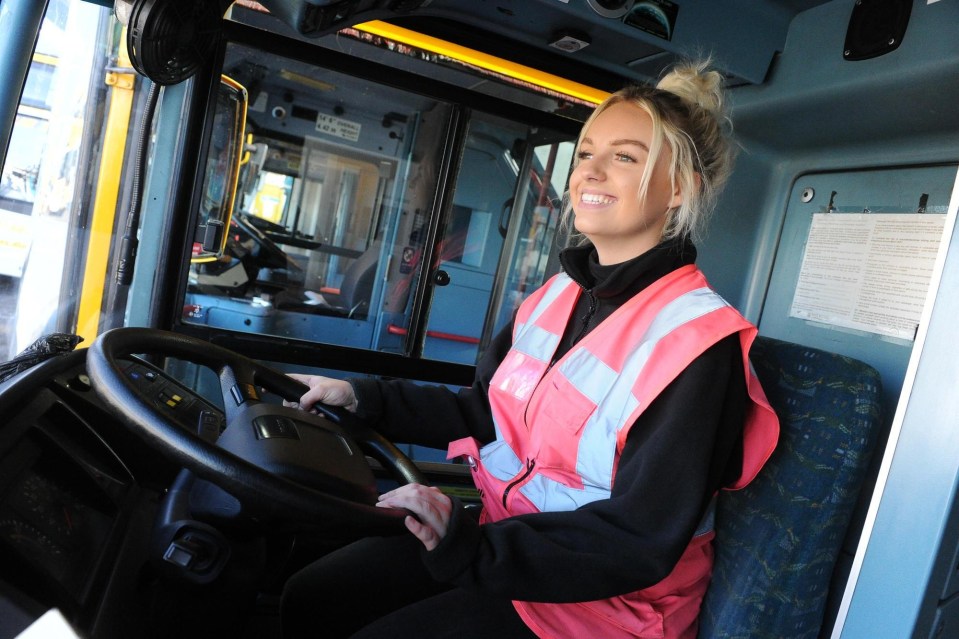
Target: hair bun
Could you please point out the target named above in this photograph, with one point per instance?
(696, 84)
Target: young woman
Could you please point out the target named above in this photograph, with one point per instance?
(599, 428)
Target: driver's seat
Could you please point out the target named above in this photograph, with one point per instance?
(356, 288)
(352, 299)
(778, 539)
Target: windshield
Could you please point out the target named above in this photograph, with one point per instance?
(365, 214)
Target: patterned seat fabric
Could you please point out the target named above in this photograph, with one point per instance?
(777, 540)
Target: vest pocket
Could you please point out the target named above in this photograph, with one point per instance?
(565, 406)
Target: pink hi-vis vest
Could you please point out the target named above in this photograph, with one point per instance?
(560, 430)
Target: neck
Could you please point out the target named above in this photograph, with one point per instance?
(612, 252)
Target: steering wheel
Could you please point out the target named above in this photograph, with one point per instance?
(281, 463)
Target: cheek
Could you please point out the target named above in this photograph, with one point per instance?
(575, 177)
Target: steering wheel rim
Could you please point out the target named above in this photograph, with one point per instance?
(272, 496)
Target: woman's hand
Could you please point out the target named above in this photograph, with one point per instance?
(324, 390)
(431, 506)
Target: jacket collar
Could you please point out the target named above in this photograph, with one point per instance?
(626, 278)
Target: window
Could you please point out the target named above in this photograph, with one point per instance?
(42, 182)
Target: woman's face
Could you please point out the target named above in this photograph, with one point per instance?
(605, 185)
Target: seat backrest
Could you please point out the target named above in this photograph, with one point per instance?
(357, 285)
(777, 540)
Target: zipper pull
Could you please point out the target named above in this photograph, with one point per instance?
(530, 463)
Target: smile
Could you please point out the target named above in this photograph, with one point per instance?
(593, 198)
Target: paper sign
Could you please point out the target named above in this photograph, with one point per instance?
(868, 271)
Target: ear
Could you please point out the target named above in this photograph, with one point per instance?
(677, 198)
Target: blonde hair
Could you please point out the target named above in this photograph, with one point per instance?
(688, 112)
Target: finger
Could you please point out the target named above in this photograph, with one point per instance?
(311, 397)
(392, 493)
(406, 489)
(432, 507)
(415, 492)
(323, 394)
(429, 537)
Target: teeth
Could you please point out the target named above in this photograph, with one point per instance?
(591, 198)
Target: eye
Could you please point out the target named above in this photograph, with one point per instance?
(584, 155)
(625, 157)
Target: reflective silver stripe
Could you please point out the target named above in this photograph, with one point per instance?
(613, 395)
(500, 461)
(534, 340)
(559, 284)
(589, 374)
(552, 496)
(556, 287)
(537, 342)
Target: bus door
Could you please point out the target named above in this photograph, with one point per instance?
(498, 236)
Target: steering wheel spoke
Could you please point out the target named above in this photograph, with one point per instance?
(237, 387)
(283, 465)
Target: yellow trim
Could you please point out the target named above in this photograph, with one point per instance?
(46, 58)
(246, 150)
(239, 140)
(305, 80)
(483, 60)
(105, 202)
(237, 147)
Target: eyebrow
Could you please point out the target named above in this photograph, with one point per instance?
(622, 142)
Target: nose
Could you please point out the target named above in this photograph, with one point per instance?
(592, 170)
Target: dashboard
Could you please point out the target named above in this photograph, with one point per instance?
(81, 498)
(55, 515)
(78, 493)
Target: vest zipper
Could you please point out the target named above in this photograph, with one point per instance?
(530, 463)
(586, 318)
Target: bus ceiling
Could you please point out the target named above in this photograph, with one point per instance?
(601, 43)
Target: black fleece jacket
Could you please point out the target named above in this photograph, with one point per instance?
(680, 451)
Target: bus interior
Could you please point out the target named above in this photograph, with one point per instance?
(371, 188)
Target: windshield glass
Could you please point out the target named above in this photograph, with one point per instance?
(343, 196)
